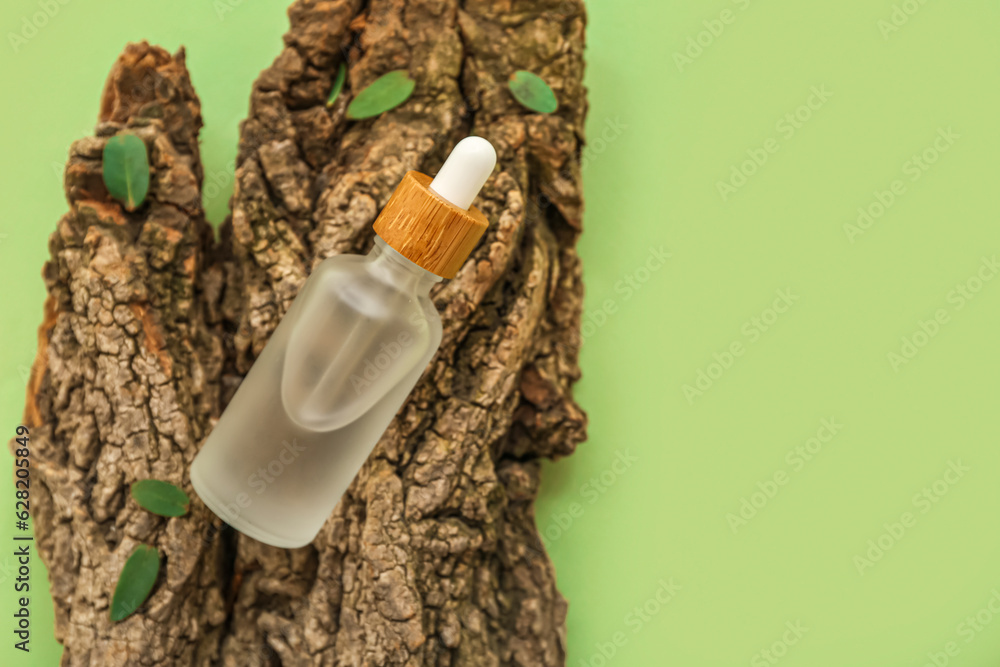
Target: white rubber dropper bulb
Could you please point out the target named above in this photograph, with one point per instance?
(465, 171)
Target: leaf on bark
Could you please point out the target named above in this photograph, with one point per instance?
(160, 498)
(125, 169)
(384, 93)
(338, 84)
(135, 582)
(532, 92)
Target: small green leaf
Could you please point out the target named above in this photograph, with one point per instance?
(160, 498)
(135, 582)
(384, 93)
(126, 169)
(532, 91)
(338, 84)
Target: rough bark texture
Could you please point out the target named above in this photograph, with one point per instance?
(432, 557)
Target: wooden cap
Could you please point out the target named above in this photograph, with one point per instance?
(427, 229)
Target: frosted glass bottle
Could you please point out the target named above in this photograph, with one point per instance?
(354, 342)
(341, 362)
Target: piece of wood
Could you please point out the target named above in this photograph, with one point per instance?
(433, 556)
(125, 383)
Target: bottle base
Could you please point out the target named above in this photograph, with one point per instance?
(220, 509)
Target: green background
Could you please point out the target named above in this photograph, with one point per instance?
(672, 131)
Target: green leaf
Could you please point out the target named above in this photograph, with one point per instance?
(532, 92)
(384, 93)
(135, 582)
(126, 169)
(160, 498)
(338, 84)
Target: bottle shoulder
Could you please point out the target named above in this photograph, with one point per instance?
(353, 339)
(356, 282)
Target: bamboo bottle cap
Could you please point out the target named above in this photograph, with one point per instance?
(431, 223)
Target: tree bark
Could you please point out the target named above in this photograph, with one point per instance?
(433, 556)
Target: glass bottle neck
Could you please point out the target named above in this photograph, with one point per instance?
(389, 265)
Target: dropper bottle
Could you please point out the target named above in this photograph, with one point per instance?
(342, 361)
